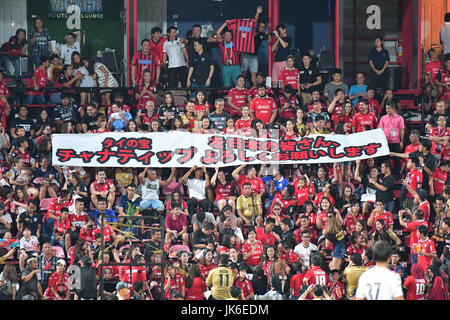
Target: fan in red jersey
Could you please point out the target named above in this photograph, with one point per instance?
(263, 107)
(244, 124)
(315, 275)
(290, 75)
(260, 80)
(363, 117)
(415, 284)
(238, 97)
(252, 250)
(244, 283)
(58, 283)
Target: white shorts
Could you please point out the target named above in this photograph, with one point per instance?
(249, 62)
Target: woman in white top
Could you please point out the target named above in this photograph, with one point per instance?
(86, 81)
(105, 80)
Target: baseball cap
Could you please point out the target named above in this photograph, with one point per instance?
(122, 285)
(61, 261)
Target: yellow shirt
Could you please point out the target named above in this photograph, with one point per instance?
(248, 206)
(220, 280)
(352, 275)
(125, 176)
(325, 131)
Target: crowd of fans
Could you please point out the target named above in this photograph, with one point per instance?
(247, 232)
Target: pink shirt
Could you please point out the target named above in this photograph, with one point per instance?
(391, 127)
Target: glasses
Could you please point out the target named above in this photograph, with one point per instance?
(276, 208)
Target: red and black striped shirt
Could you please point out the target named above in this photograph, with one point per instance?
(228, 53)
(244, 31)
(145, 61)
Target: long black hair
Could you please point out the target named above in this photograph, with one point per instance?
(193, 272)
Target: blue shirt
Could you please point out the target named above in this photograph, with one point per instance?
(120, 124)
(355, 90)
(108, 212)
(279, 185)
(124, 202)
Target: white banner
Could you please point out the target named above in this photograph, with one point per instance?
(183, 149)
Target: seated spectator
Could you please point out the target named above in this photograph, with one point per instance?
(263, 107)
(167, 111)
(118, 120)
(58, 283)
(102, 187)
(249, 207)
(65, 112)
(237, 97)
(218, 118)
(29, 246)
(176, 227)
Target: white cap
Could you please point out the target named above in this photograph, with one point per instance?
(61, 261)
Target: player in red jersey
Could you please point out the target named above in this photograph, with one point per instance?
(243, 283)
(263, 107)
(290, 75)
(364, 117)
(103, 187)
(415, 284)
(432, 69)
(237, 97)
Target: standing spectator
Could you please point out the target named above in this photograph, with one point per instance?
(281, 48)
(263, 107)
(219, 117)
(378, 62)
(197, 189)
(425, 248)
(445, 35)
(415, 284)
(86, 80)
(142, 60)
(150, 185)
(15, 44)
(379, 282)
(175, 51)
(105, 80)
(359, 89)
(197, 36)
(230, 64)
(39, 82)
(352, 273)
(336, 83)
(290, 75)
(433, 68)
(40, 40)
(310, 78)
(249, 60)
(195, 284)
(201, 67)
(393, 126)
(73, 44)
(157, 42)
